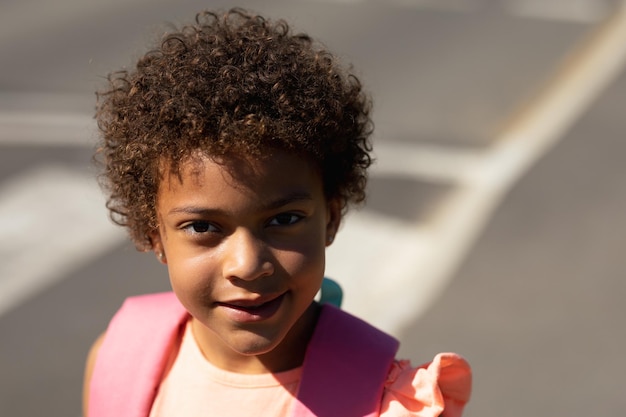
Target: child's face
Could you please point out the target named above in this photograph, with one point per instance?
(245, 248)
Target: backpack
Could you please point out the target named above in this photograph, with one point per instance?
(343, 375)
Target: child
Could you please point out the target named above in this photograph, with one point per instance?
(232, 151)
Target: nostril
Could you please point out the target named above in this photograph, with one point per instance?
(247, 258)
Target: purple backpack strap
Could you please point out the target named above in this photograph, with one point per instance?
(345, 367)
(133, 355)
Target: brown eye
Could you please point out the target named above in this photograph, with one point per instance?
(285, 219)
(200, 227)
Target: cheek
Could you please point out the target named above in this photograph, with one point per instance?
(305, 262)
(313, 250)
(193, 277)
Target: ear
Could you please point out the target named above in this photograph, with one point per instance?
(157, 246)
(333, 220)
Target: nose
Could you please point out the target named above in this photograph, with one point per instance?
(247, 257)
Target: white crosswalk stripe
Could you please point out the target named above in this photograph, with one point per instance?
(422, 260)
(52, 221)
(582, 11)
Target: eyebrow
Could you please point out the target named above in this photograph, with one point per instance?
(272, 205)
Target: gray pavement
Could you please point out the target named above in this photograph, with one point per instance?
(536, 304)
(537, 307)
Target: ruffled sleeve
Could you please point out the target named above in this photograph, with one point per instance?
(439, 388)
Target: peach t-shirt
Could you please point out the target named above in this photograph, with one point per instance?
(194, 387)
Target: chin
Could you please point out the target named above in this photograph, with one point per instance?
(253, 344)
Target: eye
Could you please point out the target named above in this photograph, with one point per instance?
(198, 227)
(285, 219)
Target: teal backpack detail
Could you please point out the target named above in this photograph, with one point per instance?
(331, 293)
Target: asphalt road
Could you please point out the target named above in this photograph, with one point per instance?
(527, 286)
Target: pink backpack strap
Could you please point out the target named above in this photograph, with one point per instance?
(345, 367)
(344, 371)
(133, 355)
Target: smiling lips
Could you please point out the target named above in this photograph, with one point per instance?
(243, 311)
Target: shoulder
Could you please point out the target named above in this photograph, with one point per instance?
(441, 387)
(150, 317)
(89, 366)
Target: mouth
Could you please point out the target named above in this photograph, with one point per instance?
(251, 310)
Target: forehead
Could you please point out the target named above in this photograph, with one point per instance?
(219, 174)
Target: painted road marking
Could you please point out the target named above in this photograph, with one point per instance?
(52, 221)
(36, 128)
(582, 11)
(391, 270)
(441, 244)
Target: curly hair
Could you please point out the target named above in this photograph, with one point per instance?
(232, 83)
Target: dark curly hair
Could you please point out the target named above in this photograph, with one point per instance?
(231, 84)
